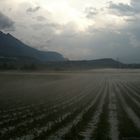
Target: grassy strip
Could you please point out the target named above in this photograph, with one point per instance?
(74, 133)
(102, 130)
(52, 116)
(57, 125)
(126, 125)
(63, 123)
(129, 101)
(137, 91)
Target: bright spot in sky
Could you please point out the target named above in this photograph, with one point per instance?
(73, 11)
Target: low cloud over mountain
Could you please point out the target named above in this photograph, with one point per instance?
(5, 22)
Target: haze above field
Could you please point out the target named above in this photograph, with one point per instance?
(77, 29)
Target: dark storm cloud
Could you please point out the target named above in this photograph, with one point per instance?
(122, 9)
(126, 9)
(135, 1)
(133, 29)
(33, 9)
(90, 12)
(5, 22)
(136, 5)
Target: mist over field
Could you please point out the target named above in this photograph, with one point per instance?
(69, 70)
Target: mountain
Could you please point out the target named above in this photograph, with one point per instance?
(86, 64)
(13, 49)
(14, 55)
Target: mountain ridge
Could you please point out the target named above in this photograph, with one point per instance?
(12, 47)
(15, 53)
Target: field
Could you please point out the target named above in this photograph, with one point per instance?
(90, 105)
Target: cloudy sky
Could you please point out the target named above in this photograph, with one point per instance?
(88, 29)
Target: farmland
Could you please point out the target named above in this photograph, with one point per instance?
(98, 104)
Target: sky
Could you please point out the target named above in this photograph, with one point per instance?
(80, 30)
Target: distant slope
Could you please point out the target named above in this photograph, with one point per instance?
(86, 64)
(12, 48)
